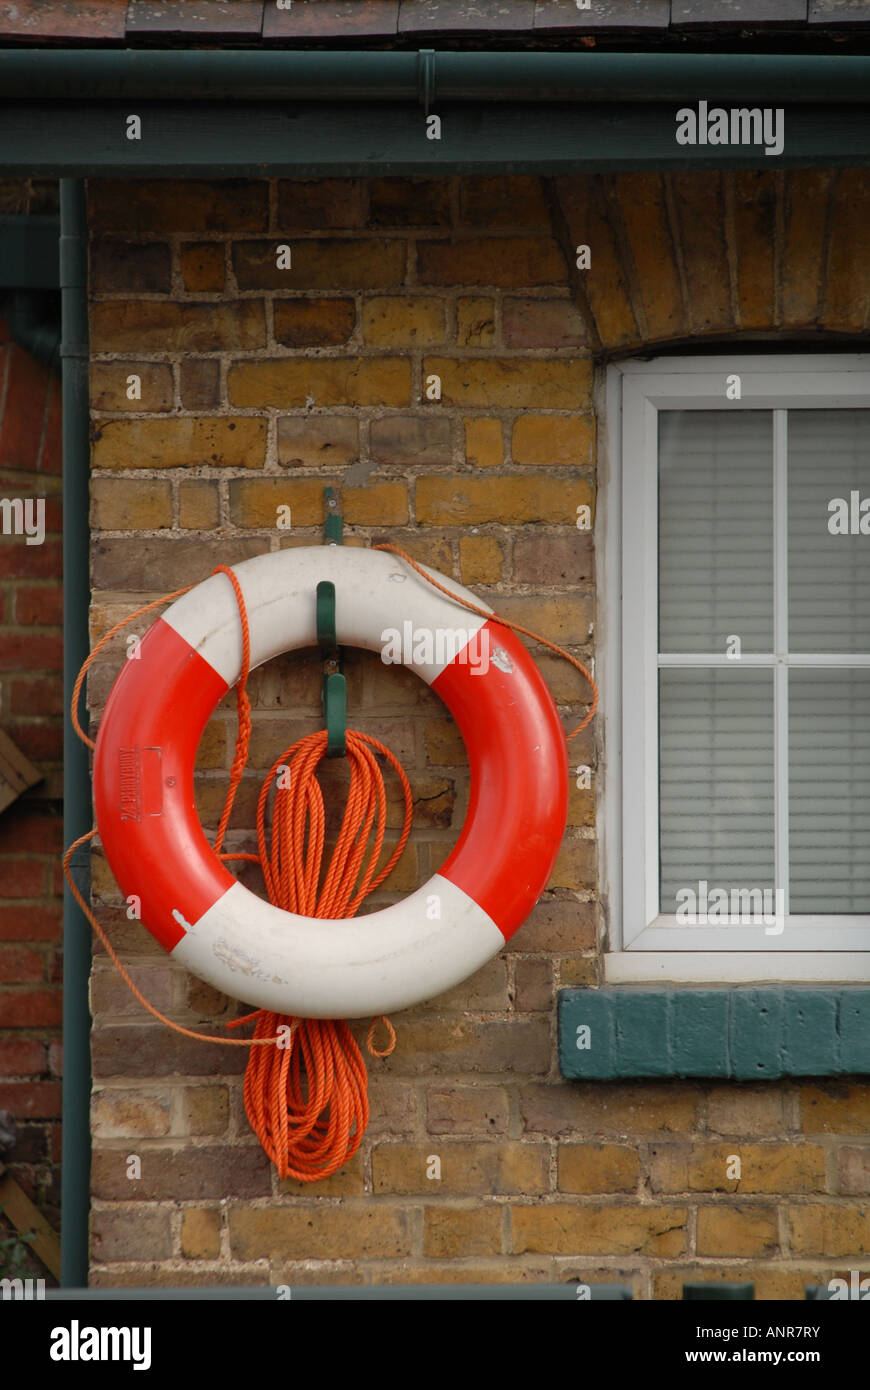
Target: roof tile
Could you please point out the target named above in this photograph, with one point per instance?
(225, 19)
(602, 14)
(97, 21)
(460, 16)
(331, 19)
(747, 14)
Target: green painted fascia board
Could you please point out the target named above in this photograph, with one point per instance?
(744, 1033)
(232, 139)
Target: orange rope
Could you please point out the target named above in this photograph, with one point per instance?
(307, 1096)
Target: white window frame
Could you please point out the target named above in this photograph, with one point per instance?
(644, 945)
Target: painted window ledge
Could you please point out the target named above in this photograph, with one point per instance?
(742, 1032)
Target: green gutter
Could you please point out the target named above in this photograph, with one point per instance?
(75, 1158)
(250, 75)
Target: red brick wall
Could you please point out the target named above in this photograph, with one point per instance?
(31, 699)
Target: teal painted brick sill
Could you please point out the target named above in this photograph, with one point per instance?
(746, 1033)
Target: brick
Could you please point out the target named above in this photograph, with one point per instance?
(30, 922)
(22, 878)
(132, 564)
(20, 966)
(409, 202)
(460, 500)
(812, 1044)
(764, 1168)
(130, 1114)
(328, 1233)
(557, 924)
(329, 263)
(31, 828)
(393, 1106)
(609, 1230)
(198, 505)
(854, 1024)
(482, 992)
(620, 1109)
(314, 322)
(183, 1175)
(755, 215)
(757, 1033)
(481, 559)
(770, 1282)
(21, 1057)
(30, 561)
(563, 618)
(435, 1046)
(31, 1100)
(553, 439)
(206, 1109)
(583, 206)
(155, 325)
(321, 205)
(734, 1108)
(109, 386)
(534, 985)
(466, 1110)
(200, 383)
(557, 383)
(589, 1168)
(201, 1233)
(349, 1181)
(553, 559)
(836, 1107)
(254, 502)
(475, 323)
(854, 1169)
(127, 267)
(202, 266)
(807, 194)
(456, 1233)
(699, 205)
(694, 14)
(542, 323)
(483, 443)
(444, 746)
(829, 1229)
(110, 994)
(179, 205)
(404, 321)
(731, 1230)
(315, 440)
(29, 651)
(131, 504)
(401, 439)
(39, 607)
(129, 1051)
(322, 382)
(641, 202)
(579, 972)
(506, 262)
(114, 1236)
(182, 442)
(510, 201)
(467, 1169)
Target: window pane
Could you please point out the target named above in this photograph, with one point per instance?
(829, 572)
(716, 530)
(715, 780)
(829, 790)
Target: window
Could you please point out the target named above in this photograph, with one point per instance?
(735, 524)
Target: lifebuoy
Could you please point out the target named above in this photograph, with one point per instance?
(240, 943)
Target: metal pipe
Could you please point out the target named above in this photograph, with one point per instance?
(293, 75)
(75, 1156)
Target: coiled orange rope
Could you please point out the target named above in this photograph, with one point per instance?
(306, 1089)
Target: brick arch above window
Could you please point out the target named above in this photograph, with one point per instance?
(678, 256)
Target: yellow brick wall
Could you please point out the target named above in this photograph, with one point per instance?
(259, 387)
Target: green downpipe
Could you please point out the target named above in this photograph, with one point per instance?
(76, 1150)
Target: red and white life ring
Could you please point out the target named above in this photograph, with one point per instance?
(242, 944)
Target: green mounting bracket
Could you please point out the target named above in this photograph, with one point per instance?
(334, 690)
(718, 1293)
(332, 526)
